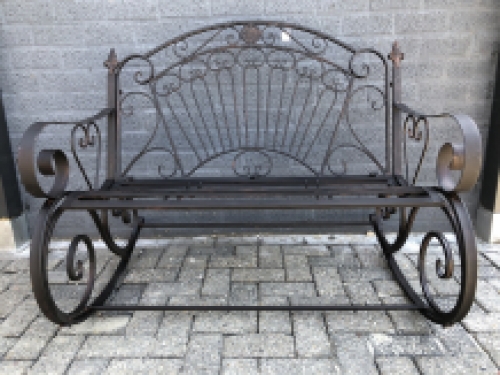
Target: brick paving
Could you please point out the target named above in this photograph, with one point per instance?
(236, 270)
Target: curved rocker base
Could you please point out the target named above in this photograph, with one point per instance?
(451, 206)
(49, 214)
(462, 228)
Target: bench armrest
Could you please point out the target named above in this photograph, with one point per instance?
(54, 162)
(465, 157)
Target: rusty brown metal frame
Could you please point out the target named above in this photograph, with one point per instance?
(386, 192)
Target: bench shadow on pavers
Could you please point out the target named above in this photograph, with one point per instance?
(252, 116)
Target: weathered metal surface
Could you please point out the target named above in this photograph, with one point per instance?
(211, 92)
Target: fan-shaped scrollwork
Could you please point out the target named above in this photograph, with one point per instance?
(263, 85)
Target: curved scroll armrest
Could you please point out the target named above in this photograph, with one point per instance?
(465, 157)
(53, 162)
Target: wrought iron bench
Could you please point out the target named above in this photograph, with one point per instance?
(285, 106)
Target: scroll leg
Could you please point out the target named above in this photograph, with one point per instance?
(49, 214)
(461, 225)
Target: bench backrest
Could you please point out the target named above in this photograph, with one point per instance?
(257, 98)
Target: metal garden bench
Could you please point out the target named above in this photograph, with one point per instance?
(285, 107)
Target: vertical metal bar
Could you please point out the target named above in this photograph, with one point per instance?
(396, 57)
(283, 83)
(114, 138)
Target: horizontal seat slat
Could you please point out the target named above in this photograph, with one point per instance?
(216, 204)
(266, 181)
(252, 191)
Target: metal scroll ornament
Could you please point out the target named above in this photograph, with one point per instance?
(252, 164)
(250, 34)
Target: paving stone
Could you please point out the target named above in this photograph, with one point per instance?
(98, 325)
(127, 294)
(147, 258)
(355, 354)
(444, 287)
(233, 261)
(173, 346)
(359, 321)
(405, 264)
(57, 355)
(460, 365)
(477, 321)
(188, 288)
(487, 272)
(301, 366)
(370, 256)
(287, 289)
(493, 257)
(132, 347)
(386, 288)
(321, 301)
(365, 274)
(218, 249)
(195, 261)
(154, 294)
(191, 275)
(340, 256)
(173, 256)
(311, 338)
(247, 366)
(197, 301)
(154, 338)
(10, 299)
(316, 250)
(175, 324)
(4, 263)
(203, 355)
(328, 282)
(246, 256)
(258, 275)
(270, 256)
(88, 367)
(275, 321)
(410, 322)
(144, 323)
(20, 319)
(5, 345)
(234, 322)
(407, 322)
(41, 327)
(456, 339)
(406, 345)
(487, 296)
(285, 239)
(490, 342)
(20, 264)
(150, 275)
(14, 367)
(396, 365)
(244, 293)
(116, 347)
(272, 345)
(495, 283)
(27, 348)
(361, 293)
(297, 268)
(133, 366)
(217, 282)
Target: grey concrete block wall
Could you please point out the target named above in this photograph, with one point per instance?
(51, 52)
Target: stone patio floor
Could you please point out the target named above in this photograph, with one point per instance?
(236, 270)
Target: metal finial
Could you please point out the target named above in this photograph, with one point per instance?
(112, 60)
(396, 55)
